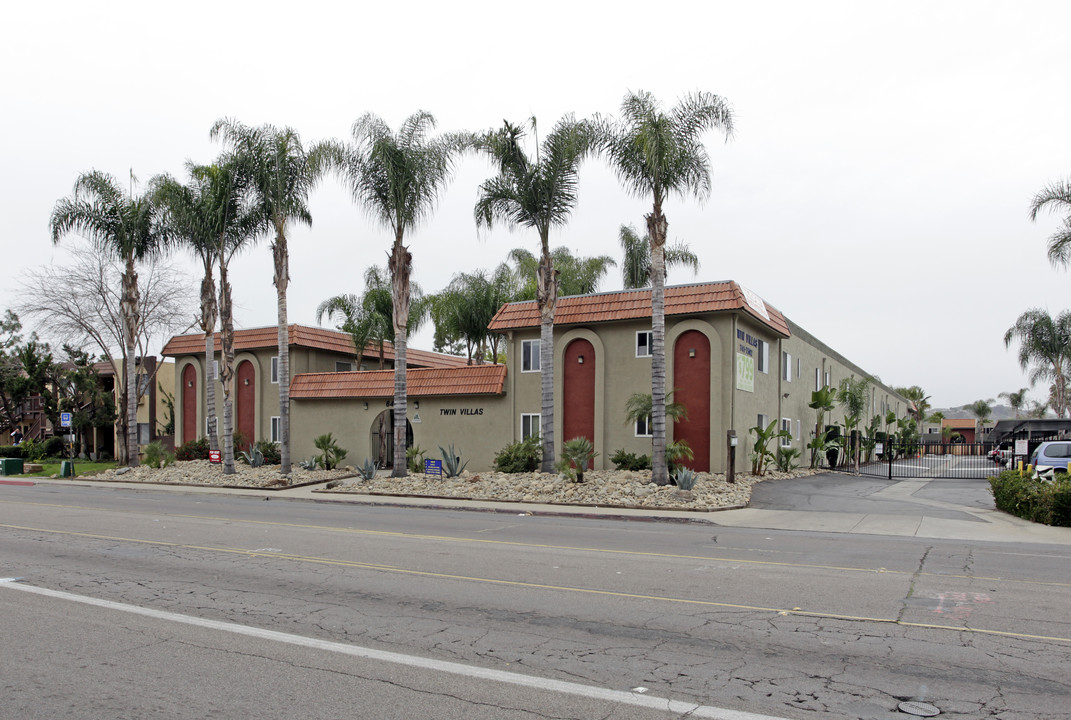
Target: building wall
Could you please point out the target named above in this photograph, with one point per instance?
(478, 426)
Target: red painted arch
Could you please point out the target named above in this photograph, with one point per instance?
(246, 381)
(578, 391)
(691, 380)
(189, 404)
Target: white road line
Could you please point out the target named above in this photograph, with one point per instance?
(567, 688)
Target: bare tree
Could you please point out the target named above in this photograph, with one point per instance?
(79, 304)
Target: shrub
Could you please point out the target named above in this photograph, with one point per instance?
(53, 447)
(414, 458)
(676, 453)
(331, 454)
(12, 451)
(33, 450)
(786, 458)
(629, 461)
(270, 451)
(518, 457)
(452, 465)
(193, 450)
(576, 454)
(1041, 501)
(157, 456)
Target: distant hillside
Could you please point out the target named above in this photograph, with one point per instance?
(1000, 412)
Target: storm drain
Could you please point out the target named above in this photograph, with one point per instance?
(918, 709)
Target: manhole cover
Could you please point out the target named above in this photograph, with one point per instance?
(919, 709)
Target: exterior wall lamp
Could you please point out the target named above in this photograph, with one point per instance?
(365, 404)
(416, 404)
(691, 352)
(580, 359)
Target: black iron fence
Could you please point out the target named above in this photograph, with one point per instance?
(896, 459)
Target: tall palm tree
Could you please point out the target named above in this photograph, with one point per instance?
(1055, 197)
(1016, 400)
(397, 178)
(1044, 350)
(656, 154)
(918, 402)
(537, 193)
(577, 275)
(636, 267)
(128, 228)
(212, 217)
(982, 409)
(281, 177)
(465, 308)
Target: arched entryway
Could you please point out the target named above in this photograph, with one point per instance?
(246, 380)
(578, 391)
(691, 382)
(382, 438)
(189, 404)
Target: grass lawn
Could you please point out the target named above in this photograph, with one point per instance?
(50, 467)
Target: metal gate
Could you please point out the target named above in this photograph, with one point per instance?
(961, 461)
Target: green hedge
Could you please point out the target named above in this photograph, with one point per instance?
(1041, 501)
(11, 451)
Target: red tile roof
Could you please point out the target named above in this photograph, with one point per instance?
(635, 304)
(308, 337)
(420, 382)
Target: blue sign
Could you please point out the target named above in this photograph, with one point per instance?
(433, 467)
(65, 419)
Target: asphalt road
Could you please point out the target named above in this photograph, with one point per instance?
(292, 609)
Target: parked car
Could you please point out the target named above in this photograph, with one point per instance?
(1051, 457)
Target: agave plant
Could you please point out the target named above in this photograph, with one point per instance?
(452, 465)
(253, 458)
(685, 478)
(368, 470)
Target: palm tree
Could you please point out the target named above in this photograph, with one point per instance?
(537, 193)
(577, 275)
(1054, 197)
(210, 216)
(397, 178)
(918, 402)
(656, 154)
(1016, 400)
(281, 177)
(981, 409)
(1044, 349)
(128, 228)
(466, 307)
(636, 267)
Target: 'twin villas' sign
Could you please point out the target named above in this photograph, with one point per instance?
(463, 411)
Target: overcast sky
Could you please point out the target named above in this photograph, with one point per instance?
(876, 190)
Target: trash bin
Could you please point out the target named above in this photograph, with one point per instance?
(67, 468)
(11, 466)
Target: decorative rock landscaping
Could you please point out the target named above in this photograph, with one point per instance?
(601, 488)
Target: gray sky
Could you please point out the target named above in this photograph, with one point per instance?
(876, 190)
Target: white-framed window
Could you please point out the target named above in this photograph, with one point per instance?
(343, 366)
(143, 434)
(208, 424)
(799, 431)
(276, 429)
(643, 427)
(763, 421)
(763, 360)
(829, 379)
(786, 425)
(529, 424)
(215, 369)
(275, 370)
(817, 379)
(644, 341)
(530, 355)
(786, 367)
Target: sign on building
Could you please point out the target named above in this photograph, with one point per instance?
(745, 373)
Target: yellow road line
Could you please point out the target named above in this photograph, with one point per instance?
(541, 586)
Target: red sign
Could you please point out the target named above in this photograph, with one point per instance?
(213, 456)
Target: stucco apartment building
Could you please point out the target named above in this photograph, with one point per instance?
(733, 360)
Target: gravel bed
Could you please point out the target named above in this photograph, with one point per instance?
(602, 488)
(202, 472)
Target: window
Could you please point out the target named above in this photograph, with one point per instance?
(643, 427)
(817, 379)
(530, 356)
(343, 366)
(763, 421)
(786, 440)
(143, 385)
(786, 367)
(276, 429)
(799, 368)
(644, 340)
(143, 434)
(209, 422)
(763, 351)
(829, 379)
(275, 369)
(799, 431)
(529, 424)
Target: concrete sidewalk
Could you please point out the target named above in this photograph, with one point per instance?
(985, 525)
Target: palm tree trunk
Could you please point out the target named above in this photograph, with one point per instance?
(657, 228)
(208, 324)
(282, 278)
(226, 369)
(401, 263)
(547, 299)
(131, 316)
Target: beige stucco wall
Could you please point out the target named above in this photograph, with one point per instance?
(478, 426)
